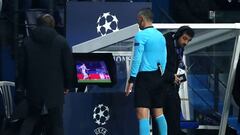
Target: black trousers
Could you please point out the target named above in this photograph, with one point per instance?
(172, 110)
(51, 123)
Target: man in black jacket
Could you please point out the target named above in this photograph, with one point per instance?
(175, 47)
(46, 72)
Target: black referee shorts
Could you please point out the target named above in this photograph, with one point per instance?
(149, 90)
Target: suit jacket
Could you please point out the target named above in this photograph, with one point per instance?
(46, 67)
(172, 59)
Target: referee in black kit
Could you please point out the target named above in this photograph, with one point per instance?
(148, 65)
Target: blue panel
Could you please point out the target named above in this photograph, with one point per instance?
(79, 110)
(233, 123)
(7, 65)
(82, 18)
(198, 81)
(200, 95)
(157, 6)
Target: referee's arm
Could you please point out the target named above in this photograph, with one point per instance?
(136, 62)
(137, 58)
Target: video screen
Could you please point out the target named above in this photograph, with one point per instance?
(92, 72)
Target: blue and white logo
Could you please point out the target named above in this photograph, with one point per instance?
(101, 114)
(107, 23)
(100, 131)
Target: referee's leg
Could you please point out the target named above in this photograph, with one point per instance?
(159, 118)
(143, 118)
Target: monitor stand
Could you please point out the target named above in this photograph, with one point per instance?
(82, 88)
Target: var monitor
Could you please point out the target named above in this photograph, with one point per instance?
(95, 68)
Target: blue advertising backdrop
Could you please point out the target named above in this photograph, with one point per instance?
(83, 18)
(102, 111)
(99, 114)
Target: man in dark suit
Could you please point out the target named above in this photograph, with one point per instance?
(46, 72)
(175, 43)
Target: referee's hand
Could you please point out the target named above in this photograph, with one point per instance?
(129, 89)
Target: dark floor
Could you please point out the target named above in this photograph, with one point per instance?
(208, 132)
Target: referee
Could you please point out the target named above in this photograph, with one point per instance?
(148, 65)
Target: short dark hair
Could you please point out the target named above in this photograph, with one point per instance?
(46, 20)
(147, 13)
(184, 30)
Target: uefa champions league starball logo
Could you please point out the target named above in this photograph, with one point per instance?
(101, 114)
(107, 23)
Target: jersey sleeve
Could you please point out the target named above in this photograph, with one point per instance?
(137, 56)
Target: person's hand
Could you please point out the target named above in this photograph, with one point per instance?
(177, 79)
(129, 89)
(66, 91)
